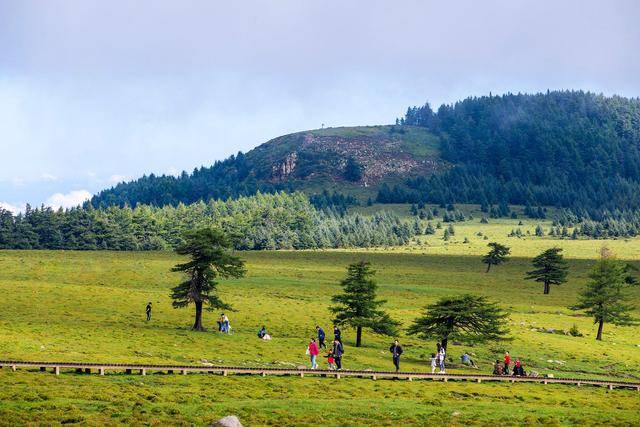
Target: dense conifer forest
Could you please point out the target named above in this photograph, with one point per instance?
(565, 149)
(263, 221)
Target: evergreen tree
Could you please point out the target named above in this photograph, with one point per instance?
(210, 259)
(550, 269)
(358, 307)
(353, 170)
(467, 318)
(605, 297)
(496, 256)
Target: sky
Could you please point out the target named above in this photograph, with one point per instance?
(96, 92)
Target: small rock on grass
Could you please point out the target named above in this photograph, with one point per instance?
(228, 421)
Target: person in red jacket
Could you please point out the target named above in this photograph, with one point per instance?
(313, 353)
(507, 362)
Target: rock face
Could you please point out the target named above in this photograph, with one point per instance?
(382, 152)
(228, 421)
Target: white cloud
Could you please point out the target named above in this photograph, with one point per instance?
(69, 200)
(11, 208)
(116, 179)
(48, 177)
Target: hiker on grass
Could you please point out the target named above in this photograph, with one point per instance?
(396, 351)
(221, 323)
(313, 351)
(507, 362)
(434, 363)
(226, 325)
(321, 337)
(337, 335)
(338, 351)
(148, 311)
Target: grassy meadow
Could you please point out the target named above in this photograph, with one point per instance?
(89, 306)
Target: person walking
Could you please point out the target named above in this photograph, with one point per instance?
(396, 351)
(434, 363)
(507, 362)
(337, 335)
(330, 360)
(148, 311)
(443, 356)
(321, 337)
(338, 351)
(313, 353)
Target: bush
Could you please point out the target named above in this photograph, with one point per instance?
(574, 332)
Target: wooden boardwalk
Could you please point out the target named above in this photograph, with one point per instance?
(144, 369)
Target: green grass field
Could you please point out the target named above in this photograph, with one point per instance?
(89, 306)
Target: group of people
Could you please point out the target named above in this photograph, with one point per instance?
(223, 324)
(503, 368)
(438, 359)
(333, 355)
(336, 351)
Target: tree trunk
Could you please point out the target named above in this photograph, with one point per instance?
(197, 325)
(546, 288)
(488, 267)
(600, 326)
(358, 336)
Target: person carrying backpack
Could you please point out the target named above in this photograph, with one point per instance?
(338, 351)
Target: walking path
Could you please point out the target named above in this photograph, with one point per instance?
(143, 369)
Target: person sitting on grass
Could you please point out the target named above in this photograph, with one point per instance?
(262, 332)
(497, 368)
(467, 360)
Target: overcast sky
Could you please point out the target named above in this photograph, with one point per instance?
(94, 92)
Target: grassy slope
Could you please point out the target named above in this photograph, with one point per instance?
(89, 306)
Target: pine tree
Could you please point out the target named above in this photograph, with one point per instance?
(353, 170)
(467, 318)
(605, 297)
(210, 259)
(497, 255)
(550, 269)
(358, 307)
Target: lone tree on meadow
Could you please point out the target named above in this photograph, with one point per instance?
(210, 259)
(550, 269)
(357, 306)
(497, 255)
(605, 297)
(466, 318)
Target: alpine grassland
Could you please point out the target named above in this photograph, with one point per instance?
(90, 306)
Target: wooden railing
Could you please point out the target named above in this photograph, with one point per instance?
(143, 369)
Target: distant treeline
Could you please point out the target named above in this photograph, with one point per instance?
(565, 149)
(264, 221)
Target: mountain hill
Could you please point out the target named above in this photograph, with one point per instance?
(348, 159)
(566, 148)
